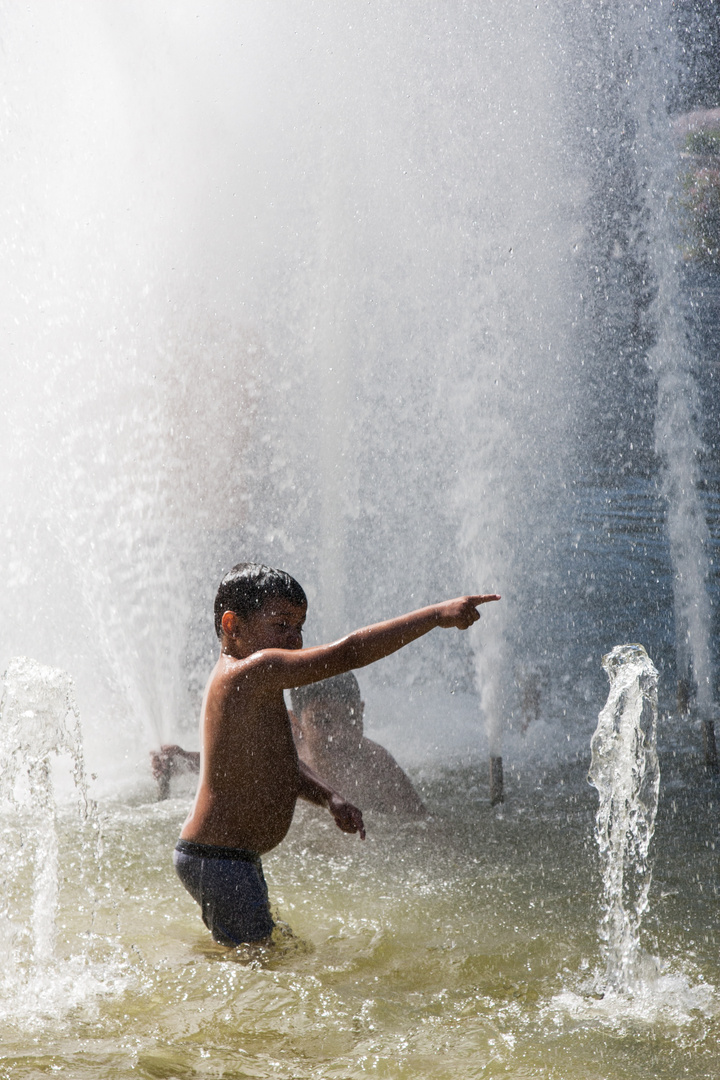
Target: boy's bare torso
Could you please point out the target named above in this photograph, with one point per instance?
(249, 768)
(250, 776)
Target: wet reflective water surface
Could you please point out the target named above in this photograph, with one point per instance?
(463, 945)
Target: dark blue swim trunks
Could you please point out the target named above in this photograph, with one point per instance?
(229, 886)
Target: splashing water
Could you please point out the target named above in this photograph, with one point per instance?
(635, 987)
(626, 773)
(379, 296)
(39, 724)
(39, 718)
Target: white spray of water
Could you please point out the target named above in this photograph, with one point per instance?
(39, 719)
(635, 987)
(308, 311)
(314, 311)
(39, 722)
(646, 52)
(626, 773)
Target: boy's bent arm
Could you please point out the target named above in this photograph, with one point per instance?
(315, 790)
(362, 647)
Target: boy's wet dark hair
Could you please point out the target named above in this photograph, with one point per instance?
(343, 688)
(248, 586)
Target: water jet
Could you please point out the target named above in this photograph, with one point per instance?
(626, 773)
(39, 721)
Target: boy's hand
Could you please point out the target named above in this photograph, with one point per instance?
(347, 817)
(462, 612)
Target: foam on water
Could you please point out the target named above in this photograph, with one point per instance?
(660, 996)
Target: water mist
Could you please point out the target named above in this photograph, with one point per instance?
(352, 360)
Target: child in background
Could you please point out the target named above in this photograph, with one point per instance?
(327, 722)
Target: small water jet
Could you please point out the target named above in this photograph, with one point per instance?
(39, 723)
(626, 773)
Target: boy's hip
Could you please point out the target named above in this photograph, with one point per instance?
(213, 851)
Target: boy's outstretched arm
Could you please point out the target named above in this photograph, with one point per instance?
(314, 790)
(362, 647)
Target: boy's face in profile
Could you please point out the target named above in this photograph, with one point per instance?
(278, 624)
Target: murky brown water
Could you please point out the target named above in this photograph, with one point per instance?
(463, 946)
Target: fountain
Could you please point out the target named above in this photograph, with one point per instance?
(347, 387)
(633, 985)
(344, 370)
(388, 295)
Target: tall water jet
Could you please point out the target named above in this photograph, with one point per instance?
(678, 425)
(626, 773)
(639, 65)
(364, 354)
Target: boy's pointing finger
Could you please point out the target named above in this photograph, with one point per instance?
(485, 598)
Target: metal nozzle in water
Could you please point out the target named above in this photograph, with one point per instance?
(685, 695)
(712, 766)
(688, 705)
(497, 793)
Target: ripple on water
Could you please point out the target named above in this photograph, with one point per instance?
(464, 945)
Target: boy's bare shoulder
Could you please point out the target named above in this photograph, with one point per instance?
(250, 673)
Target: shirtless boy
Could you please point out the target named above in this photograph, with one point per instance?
(327, 723)
(250, 774)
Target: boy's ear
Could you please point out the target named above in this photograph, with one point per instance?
(295, 724)
(229, 623)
